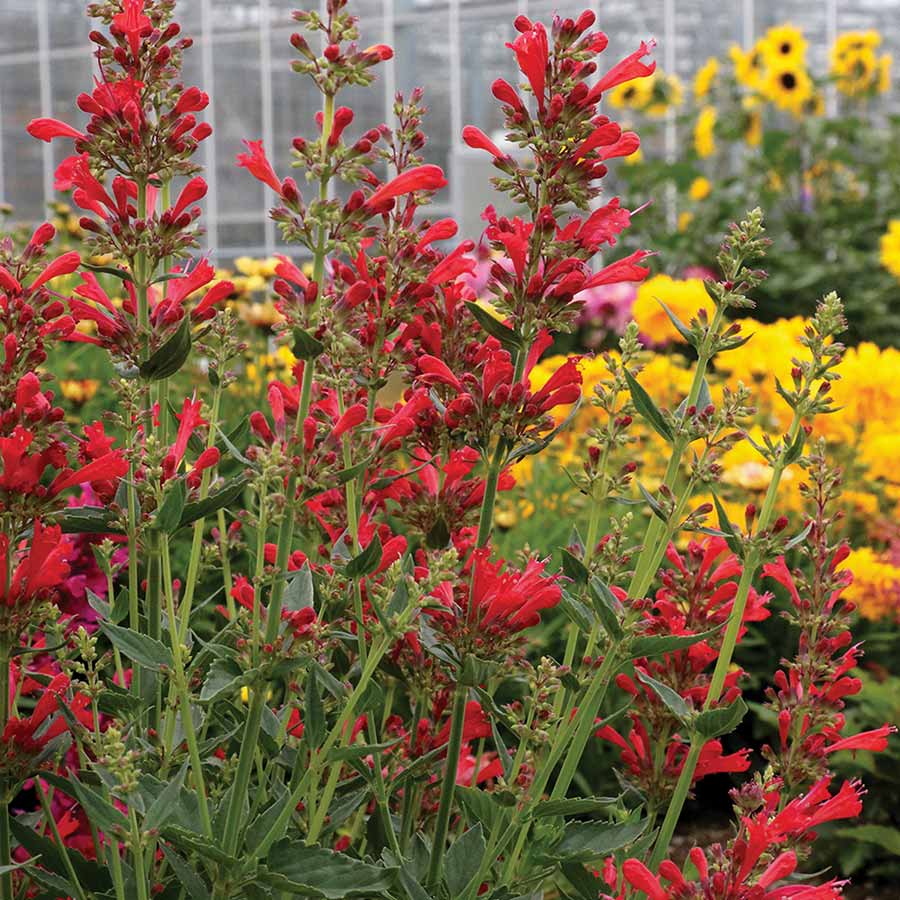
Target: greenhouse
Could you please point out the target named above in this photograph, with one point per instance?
(448, 450)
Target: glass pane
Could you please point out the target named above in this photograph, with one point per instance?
(18, 25)
(23, 167)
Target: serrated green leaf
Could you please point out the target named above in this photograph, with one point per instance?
(224, 677)
(366, 562)
(653, 645)
(316, 872)
(144, 650)
(189, 879)
(586, 841)
(713, 723)
(574, 806)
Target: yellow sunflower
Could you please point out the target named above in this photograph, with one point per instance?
(789, 87)
(633, 94)
(856, 67)
(890, 248)
(705, 132)
(705, 78)
(700, 189)
(749, 65)
(784, 44)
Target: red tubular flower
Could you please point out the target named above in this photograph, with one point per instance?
(48, 129)
(642, 879)
(343, 116)
(626, 70)
(875, 740)
(133, 23)
(442, 230)
(421, 178)
(532, 54)
(478, 140)
(626, 269)
(62, 265)
(258, 165)
(193, 191)
(39, 572)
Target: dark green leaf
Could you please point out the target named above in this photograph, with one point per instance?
(163, 807)
(586, 841)
(190, 880)
(680, 327)
(86, 520)
(731, 536)
(168, 516)
(653, 645)
(715, 722)
(673, 701)
(300, 592)
(224, 677)
(366, 562)
(463, 859)
(510, 339)
(644, 404)
(216, 500)
(314, 711)
(144, 650)
(109, 270)
(607, 607)
(171, 356)
(573, 567)
(315, 872)
(306, 346)
(575, 806)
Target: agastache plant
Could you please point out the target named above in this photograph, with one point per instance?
(302, 667)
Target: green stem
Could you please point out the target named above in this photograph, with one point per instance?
(137, 854)
(54, 830)
(226, 563)
(184, 699)
(154, 616)
(723, 663)
(134, 611)
(448, 787)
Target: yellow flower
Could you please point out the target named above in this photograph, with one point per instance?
(684, 297)
(784, 44)
(880, 453)
(705, 132)
(684, 220)
(855, 66)
(700, 189)
(246, 265)
(876, 584)
(705, 78)
(667, 94)
(78, 390)
(748, 65)
(633, 94)
(890, 248)
(788, 86)
(260, 315)
(653, 95)
(753, 129)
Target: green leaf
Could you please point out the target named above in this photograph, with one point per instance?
(793, 453)
(573, 567)
(653, 645)
(86, 520)
(168, 516)
(479, 806)
(163, 806)
(316, 872)
(224, 677)
(680, 327)
(189, 879)
(586, 841)
(300, 591)
(644, 404)
(314, 711)
(306, 346)
(366, 562)
(100, 811)
(510, 339)
(109, 270)
(883, 835)
(171, 356)
(144, 650)
(575, 806)
(213, 502)
(463, 859)
(543, 442)
(715, 722)
(607, 607)
(673, 701)
(799, 538)
(576, 612)
(731, 536)
(653, 503)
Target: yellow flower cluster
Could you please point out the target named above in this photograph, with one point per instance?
(653, 96)
(876, 584)
(705, 132)
(856, 67)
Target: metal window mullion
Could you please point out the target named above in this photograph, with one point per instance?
(670, 137)
(208, 70)
(831, 32)
(265, 81)
(43, 24)
(748, 28)
(390, 67)
(455, 106)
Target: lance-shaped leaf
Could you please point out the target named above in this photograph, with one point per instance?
(144, 650)
(315, 872)
(300, 591)
(463, 859)
(573, 806)
(87, 520)
(680, 327)
(366, 562)
(607, 607)
(654, 644)
(673, 701)
(508, 338)
(213, 502)
(171, 356)
(644, 404)
(168, 516)
(314, 710)
(715, 722)
(732, 538)
(587, 841)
